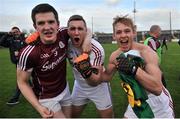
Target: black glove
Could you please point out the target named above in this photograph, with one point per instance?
(82, 64)
(126, 65)
(138, 61)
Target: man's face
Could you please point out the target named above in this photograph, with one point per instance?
(47, 26)
(158, 33)
(15, 32)
(77, 31)
(124, 35)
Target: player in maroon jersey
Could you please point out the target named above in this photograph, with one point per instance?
(45, 60)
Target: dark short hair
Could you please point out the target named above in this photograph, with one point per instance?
(76, 18)
(43, 8)
(15, 27)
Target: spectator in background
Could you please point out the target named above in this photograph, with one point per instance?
(152, 40)
(164, 44)
(15, 41)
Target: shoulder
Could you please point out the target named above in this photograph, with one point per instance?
(114, 55)
(27, 56)
(96, 45)
(63, 35)
(148, 54)
(28, 51)
(97, 52)
(150, 39)
(63, 31)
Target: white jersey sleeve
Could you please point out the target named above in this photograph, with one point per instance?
(96, 58)
(97, 54)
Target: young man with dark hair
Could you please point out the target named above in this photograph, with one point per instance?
(84, 90)
(45, 60)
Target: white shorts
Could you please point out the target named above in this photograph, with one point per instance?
(99, 95)
(162, 106)
(55, 104)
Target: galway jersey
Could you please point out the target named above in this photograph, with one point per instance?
(47, 62)
(96, 58)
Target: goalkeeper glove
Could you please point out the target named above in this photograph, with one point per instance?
(126, 65)
(82, 64)
(33, 38)
(138, 61)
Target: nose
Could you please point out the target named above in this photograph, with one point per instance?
(76, 31)
(46, 25)
(123, 34)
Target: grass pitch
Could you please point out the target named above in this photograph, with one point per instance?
(170, 66)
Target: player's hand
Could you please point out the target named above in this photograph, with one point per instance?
(82, 64)
(45, 112)
(32, 38)
(95, 77)
(137, 61)
(86, 47)
(126, 65)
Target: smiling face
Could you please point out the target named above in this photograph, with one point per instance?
(47, 26)
(77, 31)
(15, 31)
(124, 35)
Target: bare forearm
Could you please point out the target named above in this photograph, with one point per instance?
(26, 90)
(28, 93)
(107, 76)
(109, 72)
(87, 42)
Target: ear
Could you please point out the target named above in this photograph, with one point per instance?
(135, 34)
(68, 30)
(58, 25)
(113, 36)
(34, 26)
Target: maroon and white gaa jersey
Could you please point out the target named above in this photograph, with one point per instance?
(48, 65)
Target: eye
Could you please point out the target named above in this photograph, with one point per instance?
(40, 23)
(80, 28)
(118, 32)
(72, 28)
(51, 22)
(127, 30)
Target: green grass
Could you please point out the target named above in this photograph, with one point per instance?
(170, 66)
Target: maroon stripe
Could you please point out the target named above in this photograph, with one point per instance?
(165, 92)
(170, 101)
(98, 54)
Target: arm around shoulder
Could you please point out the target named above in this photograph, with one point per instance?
(87, 42)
